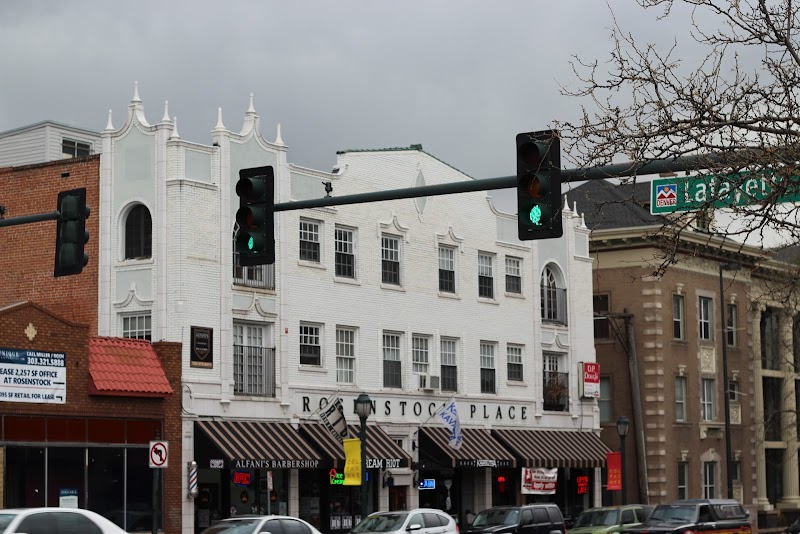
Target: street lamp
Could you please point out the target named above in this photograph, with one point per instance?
(725, 385)
(363, 409)
(622, 429)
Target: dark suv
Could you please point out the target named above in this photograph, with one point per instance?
(543, 518)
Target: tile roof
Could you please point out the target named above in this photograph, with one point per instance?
(126, 367)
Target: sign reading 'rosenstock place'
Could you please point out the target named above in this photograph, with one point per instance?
(33, 376)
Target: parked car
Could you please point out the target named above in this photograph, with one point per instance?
(55, 521)
(423, 520)
(694, 515)
(610, 519)
(255, 524)
(793, 528)
(541, 518)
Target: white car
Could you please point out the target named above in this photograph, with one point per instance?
(421, 520)
(55, 521)
(256, 524)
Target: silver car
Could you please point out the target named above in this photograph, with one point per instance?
(421, 520)
(256, 524)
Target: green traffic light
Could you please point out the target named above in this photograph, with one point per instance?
(251, 243)
(536, 215)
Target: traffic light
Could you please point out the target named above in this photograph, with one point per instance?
(539, 185)
(71, 233)
(255, 240)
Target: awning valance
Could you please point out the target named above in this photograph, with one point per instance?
(382, 451)
(554, 448)
(478, 448)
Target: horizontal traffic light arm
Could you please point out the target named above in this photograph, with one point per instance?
(617, 170)
(26, 219)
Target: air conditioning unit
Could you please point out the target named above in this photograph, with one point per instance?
(426, 382)
(433, 381)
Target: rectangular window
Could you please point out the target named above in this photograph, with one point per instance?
(733, 391)
(74, 149)
(514, 353)
(730, 331)
(604, 402)
(390, 260)
(309, 241)
(345, 355)
(392, 364)
(683, 480)
(488, 383)
(513, 275)
(485, 276)
(737, 472)
(310, 347)
(448, 348)
(136, 326)
(677, 316)
(707, 400)
(419, 355)
(600, 307)
(447, 269)
(680, 399)
(709, 480)
(345, 253)
(253, 363)
(705, 320)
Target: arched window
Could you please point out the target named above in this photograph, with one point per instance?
(138, 234)
(554, 298)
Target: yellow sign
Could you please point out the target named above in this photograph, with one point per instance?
(352, 462)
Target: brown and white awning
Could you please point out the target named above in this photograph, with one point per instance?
(478, 448)
(382, 451)
(554, 448)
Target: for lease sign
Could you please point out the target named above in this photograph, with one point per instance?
(33, 376)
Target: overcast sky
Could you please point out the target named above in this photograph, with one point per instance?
(461, 77)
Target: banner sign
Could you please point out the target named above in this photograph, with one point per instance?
(449, 416)
(333, 418)
(614, 468)
(352, 462)
(590, 379)
(539, 480)
(33, 376)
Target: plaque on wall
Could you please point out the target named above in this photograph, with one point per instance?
(201, 347)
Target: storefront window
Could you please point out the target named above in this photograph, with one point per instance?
(106, 482)
(65, 474)
(25, 481)
(138, 511)
(309, 502)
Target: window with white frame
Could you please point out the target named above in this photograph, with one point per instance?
(310, 344)
(488, 381)
(390, 259)
(345, 252)
(345, 355)
(485, 276)
(554, 298)
(253, 361)
(420, 354)
(707, 399)
(392, 363)
(680, 399)
(709, 480)
(74, 149)
(683, 480)
(138, 233)
(514, 353)
(704, 317)
(677, 316)
(731, 319)
(137, 326)
(309, 241)
(449, 356)
(447, 269)
(604, 402)
(513, 275)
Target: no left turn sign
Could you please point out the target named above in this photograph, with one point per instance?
(159, 454)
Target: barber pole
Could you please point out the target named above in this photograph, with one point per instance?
(193, 479)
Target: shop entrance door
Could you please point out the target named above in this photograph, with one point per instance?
(398, 498)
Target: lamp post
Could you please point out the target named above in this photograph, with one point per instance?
(725, 385)
(622, 429)
(363, 409)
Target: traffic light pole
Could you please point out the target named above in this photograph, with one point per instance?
(26, 219)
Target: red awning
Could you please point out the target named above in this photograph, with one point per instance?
(124, 367)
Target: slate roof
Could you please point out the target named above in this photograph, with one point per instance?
(606, 205)
(126, 367)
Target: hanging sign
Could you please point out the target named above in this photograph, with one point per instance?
(352, 462)
(589, 384)
(614, 469)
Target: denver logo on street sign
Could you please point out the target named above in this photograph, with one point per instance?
(669, 195)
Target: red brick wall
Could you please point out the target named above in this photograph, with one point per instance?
(27, 251)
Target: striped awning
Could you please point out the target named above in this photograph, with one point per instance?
(554, 448)
(261, 445)
(382, 451)
(478, 448)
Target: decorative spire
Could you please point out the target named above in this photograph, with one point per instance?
(583, 221)
(250, 119)
(566, 205)
(136, 92)
(575, 207)
(219, 125)
(251, 109)
(109, 126)
(174, 134)
(278, 140)
(165, 118)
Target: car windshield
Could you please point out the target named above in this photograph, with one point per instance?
(5, 519)
(673, 512)
(381, 523)
(596, 518)
(494, 517)
(239, 526)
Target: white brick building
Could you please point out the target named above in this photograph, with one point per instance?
(362, 298)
